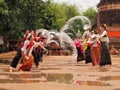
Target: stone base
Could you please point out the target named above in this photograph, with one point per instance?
(115, 42)
(59, 52)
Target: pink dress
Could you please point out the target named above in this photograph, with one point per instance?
(80, 53)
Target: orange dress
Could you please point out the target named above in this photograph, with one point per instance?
(95, 53)
(27, 57)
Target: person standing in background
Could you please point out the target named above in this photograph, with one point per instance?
(105, 58)
(79, 47)
(86, 48)
(94, 49)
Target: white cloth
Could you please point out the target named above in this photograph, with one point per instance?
(103, 37)
(94, 40)
(25, 46)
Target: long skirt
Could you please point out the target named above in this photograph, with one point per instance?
(87, 55)
(105, 55)
(95, 55)
(37, 54)
(80, 55)
(26, 63)
(16, 59)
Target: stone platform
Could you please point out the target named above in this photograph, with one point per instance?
(61, 73)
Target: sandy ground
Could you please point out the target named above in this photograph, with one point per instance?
(60, 73)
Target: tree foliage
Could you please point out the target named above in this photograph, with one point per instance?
(18, 15)
(90, 13)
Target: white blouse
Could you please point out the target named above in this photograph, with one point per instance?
(103, 37)
(24, 48)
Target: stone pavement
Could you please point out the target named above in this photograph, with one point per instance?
(62, 73)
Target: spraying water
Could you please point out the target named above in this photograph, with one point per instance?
(64, 40)
(67, 27)
(84, 20)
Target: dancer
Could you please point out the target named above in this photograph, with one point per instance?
(17, 57)
(80, 53)
(105, 58)
(26, 52)
(86, 48)
(38, 51)
(94, 49)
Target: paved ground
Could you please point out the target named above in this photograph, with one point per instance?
(60, 73)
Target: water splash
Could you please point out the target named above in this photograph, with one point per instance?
(84, 20)
(63, 38)
(68, 27)
(47, 34)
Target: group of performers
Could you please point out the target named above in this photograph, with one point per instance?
(94, 47)
(30, 51)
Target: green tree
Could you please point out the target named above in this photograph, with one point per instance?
(18, 15)
(90, 13)
(71, 11)
(61, 14)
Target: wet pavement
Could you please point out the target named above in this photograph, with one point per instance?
(62, 73)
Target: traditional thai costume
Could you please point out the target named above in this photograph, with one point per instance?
(95, 50)
(18, 55)
(27, 57)
(80, 52)
(38, 51)
(86, 48)
(104, 55)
